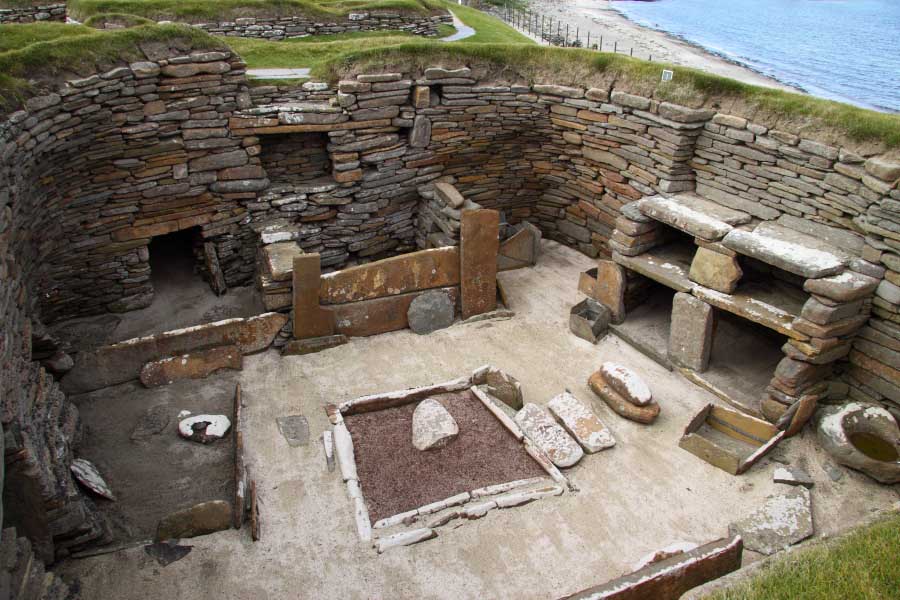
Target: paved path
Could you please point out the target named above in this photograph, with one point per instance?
(463, 31)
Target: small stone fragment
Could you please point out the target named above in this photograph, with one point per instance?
(204, 428)
(617, 402)
(328, 443)
(200, 519)
(503, 387)
(87, 475)
(165, 553)
(581, 422)
(792, 476)
(404, 538)
(627, 383)
(547, 435)
(432, 425)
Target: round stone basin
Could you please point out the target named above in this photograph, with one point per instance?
(873, 446)
(863, 437)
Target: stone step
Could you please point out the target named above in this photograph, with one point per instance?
(787, 249)
(694, 215)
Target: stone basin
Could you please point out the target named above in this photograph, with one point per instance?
(863, 437)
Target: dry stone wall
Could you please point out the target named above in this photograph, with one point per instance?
(33, 14)
(282, 28)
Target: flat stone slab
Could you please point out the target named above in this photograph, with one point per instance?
(195, 365)
(580, 421)
(297, 73)
(783, 520)
(669, 265)
(295, 429)
(844, 287)
(547, 435)
(792, 476)
(200, 519)
(627, 383)
(279, 259)
(432, 425)
(787, 249)
(770, 311)
(618, 403)
(694, 215)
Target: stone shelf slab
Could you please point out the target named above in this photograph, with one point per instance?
(694, 215)
(279, 259)
(668, 265)
(772, 306)
(787, 249)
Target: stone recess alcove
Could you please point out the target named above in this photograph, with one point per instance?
(296, 158)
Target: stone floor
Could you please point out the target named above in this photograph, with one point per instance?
(641, 495)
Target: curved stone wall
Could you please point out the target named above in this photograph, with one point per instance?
(32, 14)
(282, 28)
(88, 175)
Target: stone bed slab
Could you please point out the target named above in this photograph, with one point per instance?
(694, 215)
(787, 249)
(749, 305)
(668, 265)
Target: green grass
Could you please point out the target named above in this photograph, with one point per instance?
(488, 29)
(69, 56)
(862, 566)
(223, 10)
(14, 37)
(25, 3)
(99, 21)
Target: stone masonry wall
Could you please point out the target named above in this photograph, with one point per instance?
(32, 14)
(281, 28)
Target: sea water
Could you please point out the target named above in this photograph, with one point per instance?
(845, 50)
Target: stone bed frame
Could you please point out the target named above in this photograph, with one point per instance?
(393, 531)
(91, 172)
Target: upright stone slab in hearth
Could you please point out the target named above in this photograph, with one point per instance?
(610, 288)
(691, 333)
(310, 320)
(479, 244)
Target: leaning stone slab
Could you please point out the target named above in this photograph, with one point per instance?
(503, 387)
(787, 249)
(672, 577)
(343, 446)
(627, 383)
(694, 215)
(540, 427)
(200, 519)
(641, 414)
(497, 409)
(404, 538)
(87, 475)
(581, 422)
(448, 194)
(784, 519)
(432, 426)
(196, 365)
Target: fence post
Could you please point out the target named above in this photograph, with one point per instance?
(567, 36)
(615, 46)
(589, 40)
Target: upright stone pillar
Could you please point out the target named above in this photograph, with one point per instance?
(691, 334)
(479, 243)
(310, 320)
(610, 288)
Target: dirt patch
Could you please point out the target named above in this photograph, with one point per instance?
(395, 477)
(131, 436)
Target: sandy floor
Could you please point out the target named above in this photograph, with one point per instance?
(598, 17)
(637, 497)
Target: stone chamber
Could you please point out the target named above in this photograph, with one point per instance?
(740, 265)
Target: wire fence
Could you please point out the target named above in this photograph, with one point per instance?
(557, 32)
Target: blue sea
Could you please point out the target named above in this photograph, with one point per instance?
(845, 50)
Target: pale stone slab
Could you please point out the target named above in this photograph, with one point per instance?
(279, 259)
(691, 332)
(432, 425)
(787, 249)
(783, 520)
(343, 445)
(669, 265)
(694, 215)
(845, 287)
(404, 538)
(581, 422)
(627, 383)
(547, 435)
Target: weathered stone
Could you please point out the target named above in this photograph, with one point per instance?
(581, 422)
(823, 314)
(200, 519)
(610, 288)
(691, 333)
(88, 476)
(630, 100)
(786, 249)
(862, 437)
(883, 169)
(420, 134)
(379, 315)
(501, 386)
(431, 311)
(784, 519)
(627, 383)
(479, 244)
(312, 345)
(195, 365)
(715, 270)
(404, 538)
(432, 425)
(792, 476)
(694, 215)
(845, 287)
(295, 429)
(547, 435)
(204, 428)
(641, 414)
(448, 193)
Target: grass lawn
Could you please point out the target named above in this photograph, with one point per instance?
(15, 37)
(223, 10)
(865, 565)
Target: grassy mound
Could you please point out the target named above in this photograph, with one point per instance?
(116, 21)
(16, 37)
(225, 10)
(862, 565)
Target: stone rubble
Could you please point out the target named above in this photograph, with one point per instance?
(433, 426)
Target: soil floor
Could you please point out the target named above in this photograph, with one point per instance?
(635, 498)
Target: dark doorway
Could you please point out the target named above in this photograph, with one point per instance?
(173, 263)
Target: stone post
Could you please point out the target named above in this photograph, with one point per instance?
(691, 334)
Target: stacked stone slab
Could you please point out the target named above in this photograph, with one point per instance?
(439, 216)
(24, 576)
(33, 14)
(298, 26)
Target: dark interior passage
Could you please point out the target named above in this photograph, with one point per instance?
(172, 260)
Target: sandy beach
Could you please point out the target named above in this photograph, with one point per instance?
(600, 18)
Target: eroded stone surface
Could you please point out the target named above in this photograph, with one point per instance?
(503, 387)
(432, 425)
(694, 215)
(641, 414)
(580, 421)
(196, 365)
(836, 427)
(787, 249)
(784, 519)
(547, 435)
(431, 311)
(627, 383)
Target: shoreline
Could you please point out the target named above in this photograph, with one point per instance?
(602, 16)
